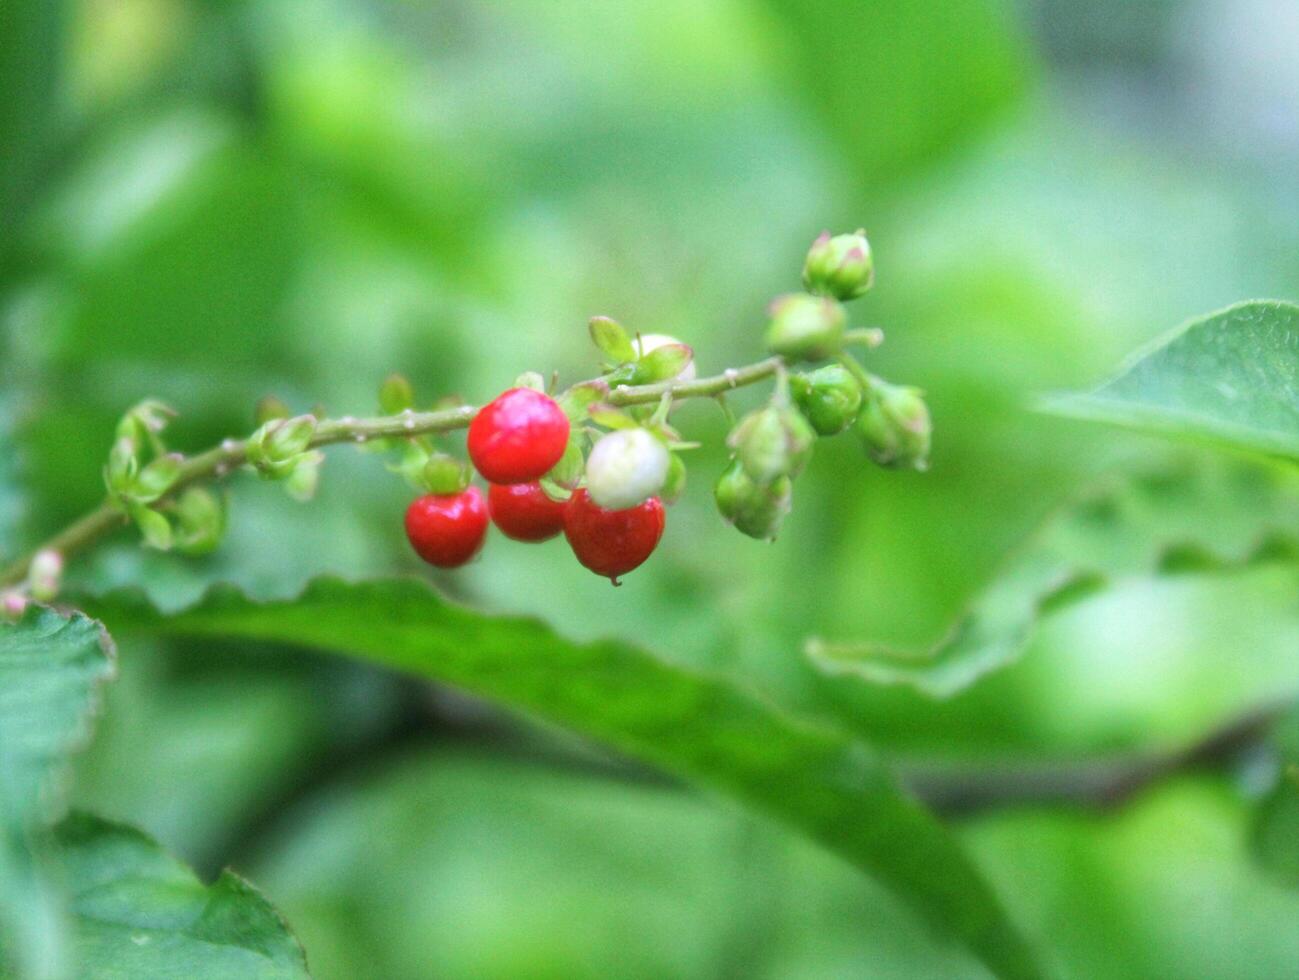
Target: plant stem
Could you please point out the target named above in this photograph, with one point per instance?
(217, 462)
(864, 378)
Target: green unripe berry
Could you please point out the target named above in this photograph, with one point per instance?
(805, 327)
(895, 428)
(754, 510)
(829, 397)
(772, 442)
(840, 266)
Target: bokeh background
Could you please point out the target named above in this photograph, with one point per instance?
(208, 201)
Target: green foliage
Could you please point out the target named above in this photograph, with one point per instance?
(1230, 378)
(700, 726)
(1275, 832)
(129, 910)
(1187, 518)
(51, 667)
(137, 912)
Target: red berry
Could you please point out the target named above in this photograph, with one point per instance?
(523, 511)
(447, 530)
(518, 437)
(612, 542)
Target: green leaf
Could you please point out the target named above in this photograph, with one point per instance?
(700, 726)
(51, 667)
(1230, 378)
(137, 912)
(1274, 836)
(899, 83)
(1179, 520)
(612, 340)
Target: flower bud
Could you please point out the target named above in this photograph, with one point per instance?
(200, 522)
(12, 605)
(840, 266)
(650, 342)
(754, 510)
(269, 408)
(612, 340)
(444, 475)
(894, 426)
(567, 473)
(45, 574)
(805, 327)
(675, 483)
(772, 442)
(829, 397)
(626, 468)
(396, 394)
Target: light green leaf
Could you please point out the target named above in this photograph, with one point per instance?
(51, 667)
(700, 726)
(902, 82)
(1177, 520)
(1229, 378)
(138, 912)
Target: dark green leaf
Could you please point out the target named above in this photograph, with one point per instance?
(137, 912)
(50, 669)
(1170, 521)
(701, 726)
(1230, 378)
(1275, 833)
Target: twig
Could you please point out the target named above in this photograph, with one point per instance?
(217, 462)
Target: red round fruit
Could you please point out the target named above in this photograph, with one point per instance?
(518, 437)
(447, 530)
(612, 542)
(523, 511)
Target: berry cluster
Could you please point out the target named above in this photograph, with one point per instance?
(598, 461)
(599, 465)
(514, 442)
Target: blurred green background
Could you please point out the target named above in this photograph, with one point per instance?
(211, 200)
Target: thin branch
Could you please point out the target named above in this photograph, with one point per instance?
(1099, 784)
(217, 462)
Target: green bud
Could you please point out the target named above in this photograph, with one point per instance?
(45, 574)
(156, 479)
(123, 465)
(772, 442)
(286, 438)
(270, 408)
(530, 379)
(626, 468)
(895, 427)
(143, 422)
(577, 400)
(567, 473)
(646, 344)
(304, 476)
(829, 397)
(200, 522)
(612, 340)
(840, 266)
(663, 363)
(611, 418)
(675, 484)
(154, 527)
(444, 475)
(754, 510)
(396, 394)
(805, 328)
